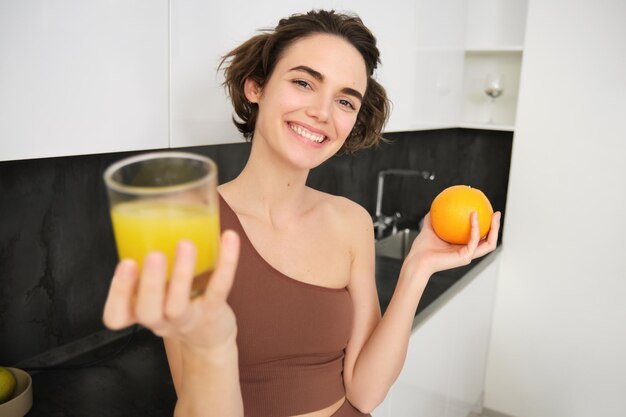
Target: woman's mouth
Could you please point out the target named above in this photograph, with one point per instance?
(307, 134)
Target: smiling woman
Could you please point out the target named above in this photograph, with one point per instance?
(256, 60)
(290, 324)
(310, 100)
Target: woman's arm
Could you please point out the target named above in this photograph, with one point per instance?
(201, 333)
(210, 382)
(200, 371)
(175, 361)
(377, 349)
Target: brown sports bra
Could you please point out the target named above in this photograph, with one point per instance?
(291, 335)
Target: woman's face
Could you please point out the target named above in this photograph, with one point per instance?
(309, 105)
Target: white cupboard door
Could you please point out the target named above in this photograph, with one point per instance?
(494, 24)
(444, 371)
(393, 25)
(439, 58)
(79, 77)
(420, 390)
(472, 309)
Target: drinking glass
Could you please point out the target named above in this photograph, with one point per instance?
(494, 87)
(157, 199)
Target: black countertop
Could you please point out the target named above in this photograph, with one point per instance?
(136, 380)
(388, 269)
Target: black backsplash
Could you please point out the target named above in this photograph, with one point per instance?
(57, 252)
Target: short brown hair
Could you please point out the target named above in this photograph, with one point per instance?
(257, 57)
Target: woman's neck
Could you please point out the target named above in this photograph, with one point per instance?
(267, 187)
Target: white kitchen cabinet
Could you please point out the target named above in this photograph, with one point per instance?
(495, 24)
(444, 371)
(438, 70)
(457, 44)
(107, 76)
(421, 44)
(120, 76)
(439, 57)
(393, 24)
(82, 77)
(495, 32)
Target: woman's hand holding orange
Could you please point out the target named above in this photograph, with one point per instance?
(431, 254)
(205, 322)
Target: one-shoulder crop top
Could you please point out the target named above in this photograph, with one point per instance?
(291, 335)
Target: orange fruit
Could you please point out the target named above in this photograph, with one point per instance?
(451, 210)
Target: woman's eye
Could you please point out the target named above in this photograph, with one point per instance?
(347, 104)
(302, 83)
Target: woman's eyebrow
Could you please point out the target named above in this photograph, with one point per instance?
(315, 74)
(319, 77)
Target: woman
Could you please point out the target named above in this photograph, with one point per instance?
(293, 326)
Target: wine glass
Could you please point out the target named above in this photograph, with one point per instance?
(494, 87)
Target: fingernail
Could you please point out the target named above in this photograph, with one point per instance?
(125, 267)
(184, 247)
(230, 236)
(154, 258)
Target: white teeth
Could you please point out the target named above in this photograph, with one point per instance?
(306, 134)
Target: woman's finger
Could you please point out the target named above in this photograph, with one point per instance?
(150, 299)
(222, 278)
(492, 237)
(490, 243)
(177, 299)
(118, 308)
(474, 234)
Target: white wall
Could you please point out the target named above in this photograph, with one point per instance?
(558, 344)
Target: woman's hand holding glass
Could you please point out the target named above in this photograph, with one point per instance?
(165, 306)
(165, 217)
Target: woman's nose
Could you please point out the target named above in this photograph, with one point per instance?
(319, 108)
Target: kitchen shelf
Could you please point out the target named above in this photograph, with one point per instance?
(476, 107)
(424, 125)
(495, 49)
(464, 125)
(486, 126)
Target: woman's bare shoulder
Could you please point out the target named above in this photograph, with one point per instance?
(347, 213)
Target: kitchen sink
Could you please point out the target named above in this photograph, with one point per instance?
(396, 246)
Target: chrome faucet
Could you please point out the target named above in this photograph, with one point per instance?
(382, 222)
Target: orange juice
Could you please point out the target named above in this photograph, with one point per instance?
(144, 226)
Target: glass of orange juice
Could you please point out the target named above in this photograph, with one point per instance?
(158, 199)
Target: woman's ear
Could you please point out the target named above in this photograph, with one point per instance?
(252, 90)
